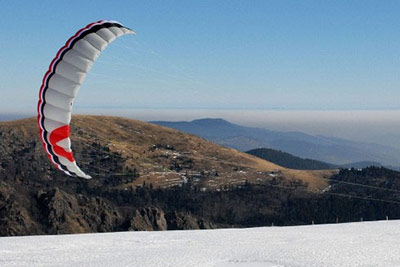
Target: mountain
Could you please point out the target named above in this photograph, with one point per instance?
(10, 117)
(328, 149)
(287, 160)
(145, 177)
(154, 155)
(148, 177)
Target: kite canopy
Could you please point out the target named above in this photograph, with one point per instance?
(61, 84)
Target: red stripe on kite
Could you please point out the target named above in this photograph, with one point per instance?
(56, 136)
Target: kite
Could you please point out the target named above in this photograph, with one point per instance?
(61, 84)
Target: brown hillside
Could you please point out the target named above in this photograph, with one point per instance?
(118, 147)
(131, 161)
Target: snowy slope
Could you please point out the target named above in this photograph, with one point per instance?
(353, 244)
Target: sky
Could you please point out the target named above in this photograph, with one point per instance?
(314, 55)
(212, 56)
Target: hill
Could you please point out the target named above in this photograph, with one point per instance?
(328, 149)
(290, 161)
(313, 245)
(148, 177)
(134, 165)
(111, 146)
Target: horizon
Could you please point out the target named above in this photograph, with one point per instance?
(356, 125)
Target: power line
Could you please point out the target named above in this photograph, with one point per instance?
(361, 185)
(333, 194)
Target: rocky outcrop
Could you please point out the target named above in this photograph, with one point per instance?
(185, 221)
(148, 219)
(153, 218)
(14, 217)
(58, 212)
(65, 213)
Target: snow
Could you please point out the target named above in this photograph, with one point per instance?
(351, 244)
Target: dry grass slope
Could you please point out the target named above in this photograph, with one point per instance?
(166, 157)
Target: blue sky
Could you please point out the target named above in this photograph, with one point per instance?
(317, 55)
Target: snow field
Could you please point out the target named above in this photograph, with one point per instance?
(351, 244)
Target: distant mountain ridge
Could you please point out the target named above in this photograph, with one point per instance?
(289, 161)
(328, 149)
(10, 117)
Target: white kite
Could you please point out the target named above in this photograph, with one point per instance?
(61, 84)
